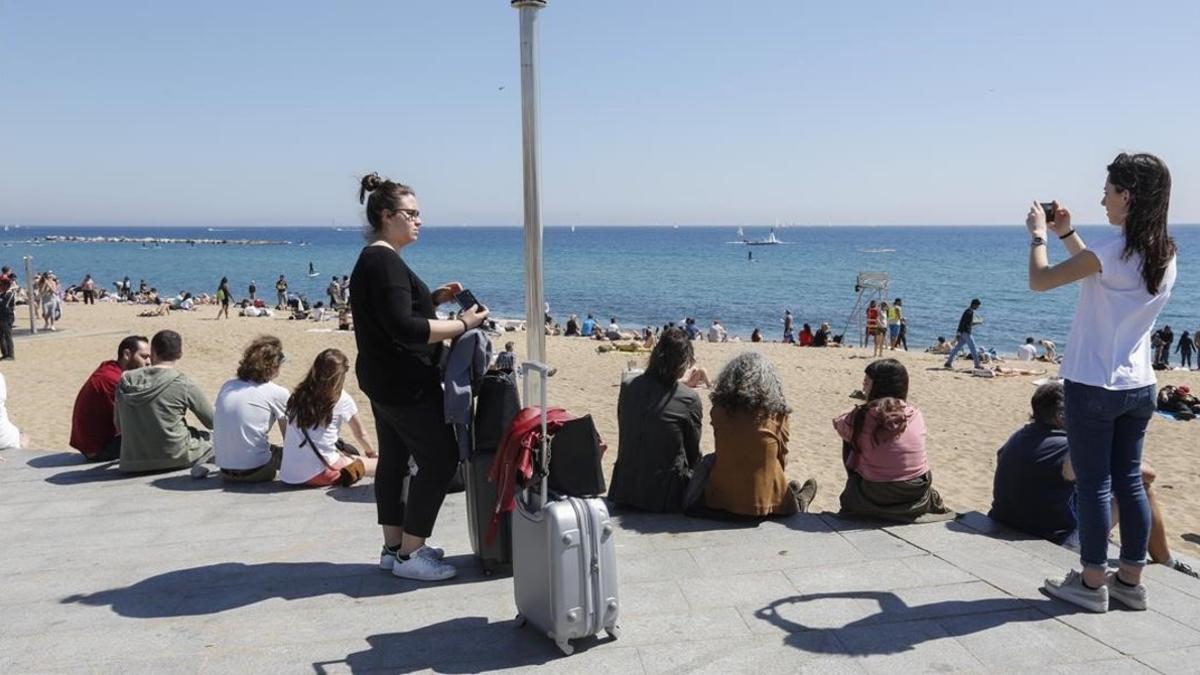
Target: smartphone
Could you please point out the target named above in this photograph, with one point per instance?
(1048, 207)
(466, 300)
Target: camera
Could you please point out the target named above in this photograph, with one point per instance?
(1048, 207)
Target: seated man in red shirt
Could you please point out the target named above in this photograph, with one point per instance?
(92, 429)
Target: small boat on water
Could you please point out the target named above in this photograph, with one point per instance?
(771, 240)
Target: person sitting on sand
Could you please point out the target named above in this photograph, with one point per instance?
(821, 337)
(695, 377)
(1034, 487)
(717, 332)
(151, 408)
(572, 329)
(940, 347)
(806, 335)
(883, 450)
(92, 430)
(613, 332)
(659, 423)
(589, 327)
(344, 322)
(506, 361)
(1049, 352)
(756, 335)
(1027, 351)
(10, 436)
(245, 410)
(649, 339)
(749, 417)
(313, 453)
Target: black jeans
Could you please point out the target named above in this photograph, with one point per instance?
(416, 430)
(6, 339)
(89, 297)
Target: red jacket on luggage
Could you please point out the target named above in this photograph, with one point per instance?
(516, 457)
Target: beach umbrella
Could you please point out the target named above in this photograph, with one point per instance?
(530, 153)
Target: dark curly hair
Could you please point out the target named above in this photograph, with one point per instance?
(261, 359)
(1148, 182)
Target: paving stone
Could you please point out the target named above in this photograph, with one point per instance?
(1114, 666)
(656, 565)
(915, 646)
(816, 652)
(782, 554)
(1023, 640)
(737, 590)
(1132, 633)
(1186, 660)
(877, 575)
(880, 544)
(680, 626)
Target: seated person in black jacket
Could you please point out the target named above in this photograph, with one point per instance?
(659, 422)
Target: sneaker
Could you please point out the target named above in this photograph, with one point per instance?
(807, 493)
(203, 470)
(388, 558)
(1180, 566)
(1133, 597)
(421, 568)
(1072, 590)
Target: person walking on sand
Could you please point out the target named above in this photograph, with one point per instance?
(895, 318)
(224, 297)
(1184, 349)
(400, 344)
(965, 324)
(1109, 382)
(88, 287)
(46, 290)
(281, 288)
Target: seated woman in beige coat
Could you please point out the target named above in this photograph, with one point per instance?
(750, 428)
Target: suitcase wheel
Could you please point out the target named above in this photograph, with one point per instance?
(613, 631)
(565, 647)
(520, 621)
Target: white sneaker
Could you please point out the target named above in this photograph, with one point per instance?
(1072, 590)
(388, 558)
(421, 568)
(1133, 597)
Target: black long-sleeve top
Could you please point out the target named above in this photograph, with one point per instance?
(392, 308)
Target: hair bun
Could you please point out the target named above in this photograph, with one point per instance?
(370, 183)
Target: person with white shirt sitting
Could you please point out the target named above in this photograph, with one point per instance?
(1027, 351)
(10, 435)
(313, 453)
(246, 408)
(717, 332)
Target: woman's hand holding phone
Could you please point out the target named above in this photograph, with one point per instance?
(473, 316)
(445, 293)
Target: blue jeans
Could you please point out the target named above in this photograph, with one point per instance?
(1105, 431)
(969, 341)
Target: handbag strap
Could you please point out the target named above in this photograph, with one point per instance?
(312, 445)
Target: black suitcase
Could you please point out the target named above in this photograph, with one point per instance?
(497, 404)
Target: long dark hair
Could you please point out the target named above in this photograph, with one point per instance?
(1148, 182)
(311, 404)
(671, 356)
(888, 400)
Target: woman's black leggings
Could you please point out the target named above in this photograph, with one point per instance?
(416, 430)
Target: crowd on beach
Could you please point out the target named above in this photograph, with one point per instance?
(1070, 475)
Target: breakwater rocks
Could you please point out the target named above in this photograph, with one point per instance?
(154, 241)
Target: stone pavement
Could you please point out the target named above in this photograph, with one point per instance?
(165, 574)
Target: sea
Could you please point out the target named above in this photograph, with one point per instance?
(642, 276)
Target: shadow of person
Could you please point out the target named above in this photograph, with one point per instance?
(211, 589)
(56, 460)
(463, 645)
(676, 523)
(983, 614)
(1191, 537)
(185, 483)
(363, 493)
(94, 474)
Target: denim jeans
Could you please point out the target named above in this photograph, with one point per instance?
(1105, 431)
(964, 339)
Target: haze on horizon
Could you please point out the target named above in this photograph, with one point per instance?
(699, 113)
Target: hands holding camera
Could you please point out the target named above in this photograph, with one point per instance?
(1048, 214)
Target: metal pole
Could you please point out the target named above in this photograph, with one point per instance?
(535, 323)
(29, 292)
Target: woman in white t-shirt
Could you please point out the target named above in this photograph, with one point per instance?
(313, 454)
(1125, 280)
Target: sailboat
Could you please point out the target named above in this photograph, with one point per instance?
(769, 241)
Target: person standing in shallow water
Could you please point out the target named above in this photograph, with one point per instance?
(1125, 280)
(399, 339)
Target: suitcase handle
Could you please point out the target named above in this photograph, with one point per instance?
(543, 458)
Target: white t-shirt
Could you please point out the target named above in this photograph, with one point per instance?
(10, 435)
(243, 415)
(1026, 352)
(1109, 343)
(300, 463)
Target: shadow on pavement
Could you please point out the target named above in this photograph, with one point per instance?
(56, 460)
(212, 589)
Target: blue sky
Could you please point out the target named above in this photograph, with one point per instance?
(696, 112)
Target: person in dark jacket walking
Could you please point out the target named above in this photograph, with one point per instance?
(399, 340)
(1184, 349)
(965, 324)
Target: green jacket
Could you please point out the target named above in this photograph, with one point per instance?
(149, 413)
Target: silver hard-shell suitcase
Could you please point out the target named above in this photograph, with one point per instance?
(564, 555)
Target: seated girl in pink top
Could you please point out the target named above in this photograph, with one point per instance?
(883, 450)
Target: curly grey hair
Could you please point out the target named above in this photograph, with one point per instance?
(749, 383)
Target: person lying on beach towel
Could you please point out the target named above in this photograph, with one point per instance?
(1034, 487)
(631, 347)
(883, 450)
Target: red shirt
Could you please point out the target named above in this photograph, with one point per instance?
(92, 420)
(805, 337)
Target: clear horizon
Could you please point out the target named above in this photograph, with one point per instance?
(229, 115)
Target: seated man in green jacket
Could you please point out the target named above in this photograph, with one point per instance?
(151, 406)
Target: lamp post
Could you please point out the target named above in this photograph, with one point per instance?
(535, 324)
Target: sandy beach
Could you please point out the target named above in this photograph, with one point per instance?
(968, 417)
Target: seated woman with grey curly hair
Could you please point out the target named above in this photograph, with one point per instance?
(750, 427)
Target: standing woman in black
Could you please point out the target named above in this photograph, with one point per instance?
(399, 341)
(224, 297)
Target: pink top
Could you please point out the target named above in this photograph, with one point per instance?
(895, 459)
